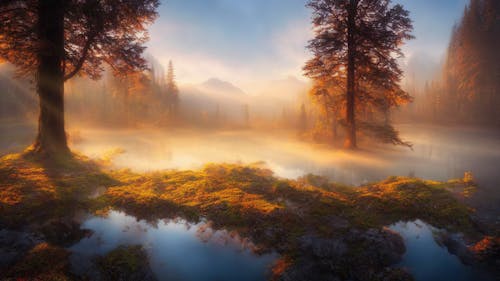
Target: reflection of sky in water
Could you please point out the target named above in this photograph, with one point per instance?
(439, 153)
(426, 260)
(177, 250)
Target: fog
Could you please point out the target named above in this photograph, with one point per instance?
(146, 121)
(439, 153)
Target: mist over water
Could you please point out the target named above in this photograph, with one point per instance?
(280, 87)
(438, 153)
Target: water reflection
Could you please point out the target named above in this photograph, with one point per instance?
(177, 250)
(426, 260)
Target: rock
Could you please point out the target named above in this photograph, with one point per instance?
(395, 274)
(338, 223)
(14, 244)
(456, 246)
(63, 232)
(308, 270)
(382, 247)
(356, 255)
(128, 263)
(322, 248)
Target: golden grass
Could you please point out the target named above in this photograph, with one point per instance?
(43, 262)
(273, 212)
(244, 197)
(31, 188)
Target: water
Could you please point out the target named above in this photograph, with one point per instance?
(439, 153)
(176, 249)
(427, 261)
(181, 251)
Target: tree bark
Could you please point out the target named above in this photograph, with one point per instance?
(51, 138)
(350, 141)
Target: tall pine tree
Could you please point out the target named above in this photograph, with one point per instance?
(356, 49)
(172, 91)
(54, 40)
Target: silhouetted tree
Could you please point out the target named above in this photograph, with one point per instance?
(54, 40)
(172, 90)
(356, 46)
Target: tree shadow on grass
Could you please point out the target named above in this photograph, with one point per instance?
(35, 189)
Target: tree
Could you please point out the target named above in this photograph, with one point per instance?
(356, 46)
(172, 90)
(54, 40)
(472, 68)
(329, 100)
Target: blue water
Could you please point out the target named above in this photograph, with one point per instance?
(176, 249)
(427, 261)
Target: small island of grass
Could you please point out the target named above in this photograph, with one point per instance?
(316, 226)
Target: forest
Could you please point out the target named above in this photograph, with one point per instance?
(286, 140)
(464, 89)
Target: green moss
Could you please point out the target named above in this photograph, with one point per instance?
(33, 189)
(125, 263)
(128, 258)
(231, 194)
(248, 199)
(43, 262)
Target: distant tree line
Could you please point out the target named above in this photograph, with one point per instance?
(467, 91)
(149, 97)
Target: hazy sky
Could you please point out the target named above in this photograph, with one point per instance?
(245, 41)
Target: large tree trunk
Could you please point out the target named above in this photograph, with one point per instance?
(350, 141)
(51, 138)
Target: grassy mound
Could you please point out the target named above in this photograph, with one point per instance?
(32, 190)
(273, 212)
(125, 263)
(234, 195)
(43, 262)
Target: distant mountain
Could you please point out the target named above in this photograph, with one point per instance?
(266, 97)
(212, 95)
(216, 85)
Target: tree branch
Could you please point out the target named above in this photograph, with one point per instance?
(82, 59)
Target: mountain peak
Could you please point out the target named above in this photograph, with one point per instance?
(218, 85)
